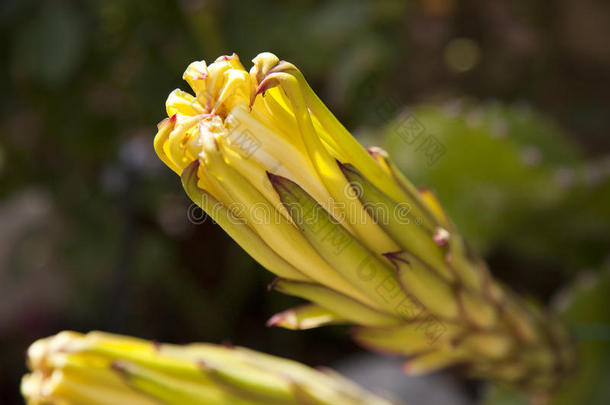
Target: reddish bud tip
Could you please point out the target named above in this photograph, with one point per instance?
(117, 366)
(395, 257)
(272, 285)
(441, 236)
(275, 320)
(377, 151)
(273, 178)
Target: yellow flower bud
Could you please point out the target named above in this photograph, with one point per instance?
(105, 369)
(344, 229)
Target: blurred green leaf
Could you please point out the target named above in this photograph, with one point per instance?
(497, 395)
(588, 314)
(49, 47)
(508, 177)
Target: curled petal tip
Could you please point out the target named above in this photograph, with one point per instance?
(261, 88)
(267, 82)
(270, 81)
(268, 74)
(282, 67)
(167, 121)
(227, 57)
(263, 63)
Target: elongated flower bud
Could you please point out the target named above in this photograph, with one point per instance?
(104, 369)
(345, 230)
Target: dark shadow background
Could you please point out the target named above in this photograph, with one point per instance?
(94, 231)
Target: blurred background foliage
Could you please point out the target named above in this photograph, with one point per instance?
(95, 233)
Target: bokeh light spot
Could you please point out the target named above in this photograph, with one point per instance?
(462, 55)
